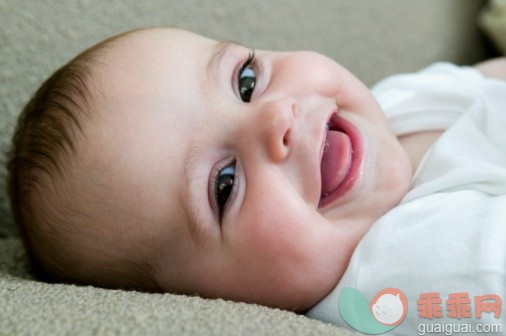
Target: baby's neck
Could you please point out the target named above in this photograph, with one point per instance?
(417, 144)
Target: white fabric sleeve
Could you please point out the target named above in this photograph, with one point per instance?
(431, 99)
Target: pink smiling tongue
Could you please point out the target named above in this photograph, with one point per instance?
(336, 161)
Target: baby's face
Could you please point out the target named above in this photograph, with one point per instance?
(250, 179)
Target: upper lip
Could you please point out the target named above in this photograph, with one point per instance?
(322, 145)
(324, 135)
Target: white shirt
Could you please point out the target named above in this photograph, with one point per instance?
(448, 235)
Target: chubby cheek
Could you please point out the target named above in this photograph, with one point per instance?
(274, 224)
(267, 236)
(307, 72)
(276, 235)
(285, 256)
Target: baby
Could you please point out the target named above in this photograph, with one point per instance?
(164, 161)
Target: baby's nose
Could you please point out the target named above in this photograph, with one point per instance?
(273, 125)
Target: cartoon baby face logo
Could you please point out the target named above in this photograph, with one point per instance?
(389, 306)
(385, 311)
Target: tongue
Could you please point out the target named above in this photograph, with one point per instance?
(336, 161)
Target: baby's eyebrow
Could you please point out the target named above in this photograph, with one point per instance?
(195, 218)
(219, 50)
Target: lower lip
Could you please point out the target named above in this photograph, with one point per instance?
(356, 163)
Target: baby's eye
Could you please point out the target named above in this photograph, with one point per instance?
(223, 186)
(246, 79)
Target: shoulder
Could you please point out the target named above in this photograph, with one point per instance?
(494, 68)
(417, 144)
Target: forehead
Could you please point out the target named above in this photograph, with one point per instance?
(159, 37)
(146, 54)
(153, 75)
(139, 136)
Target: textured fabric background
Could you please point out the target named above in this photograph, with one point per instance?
(373, 38)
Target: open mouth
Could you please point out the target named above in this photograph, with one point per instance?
(341, 159)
